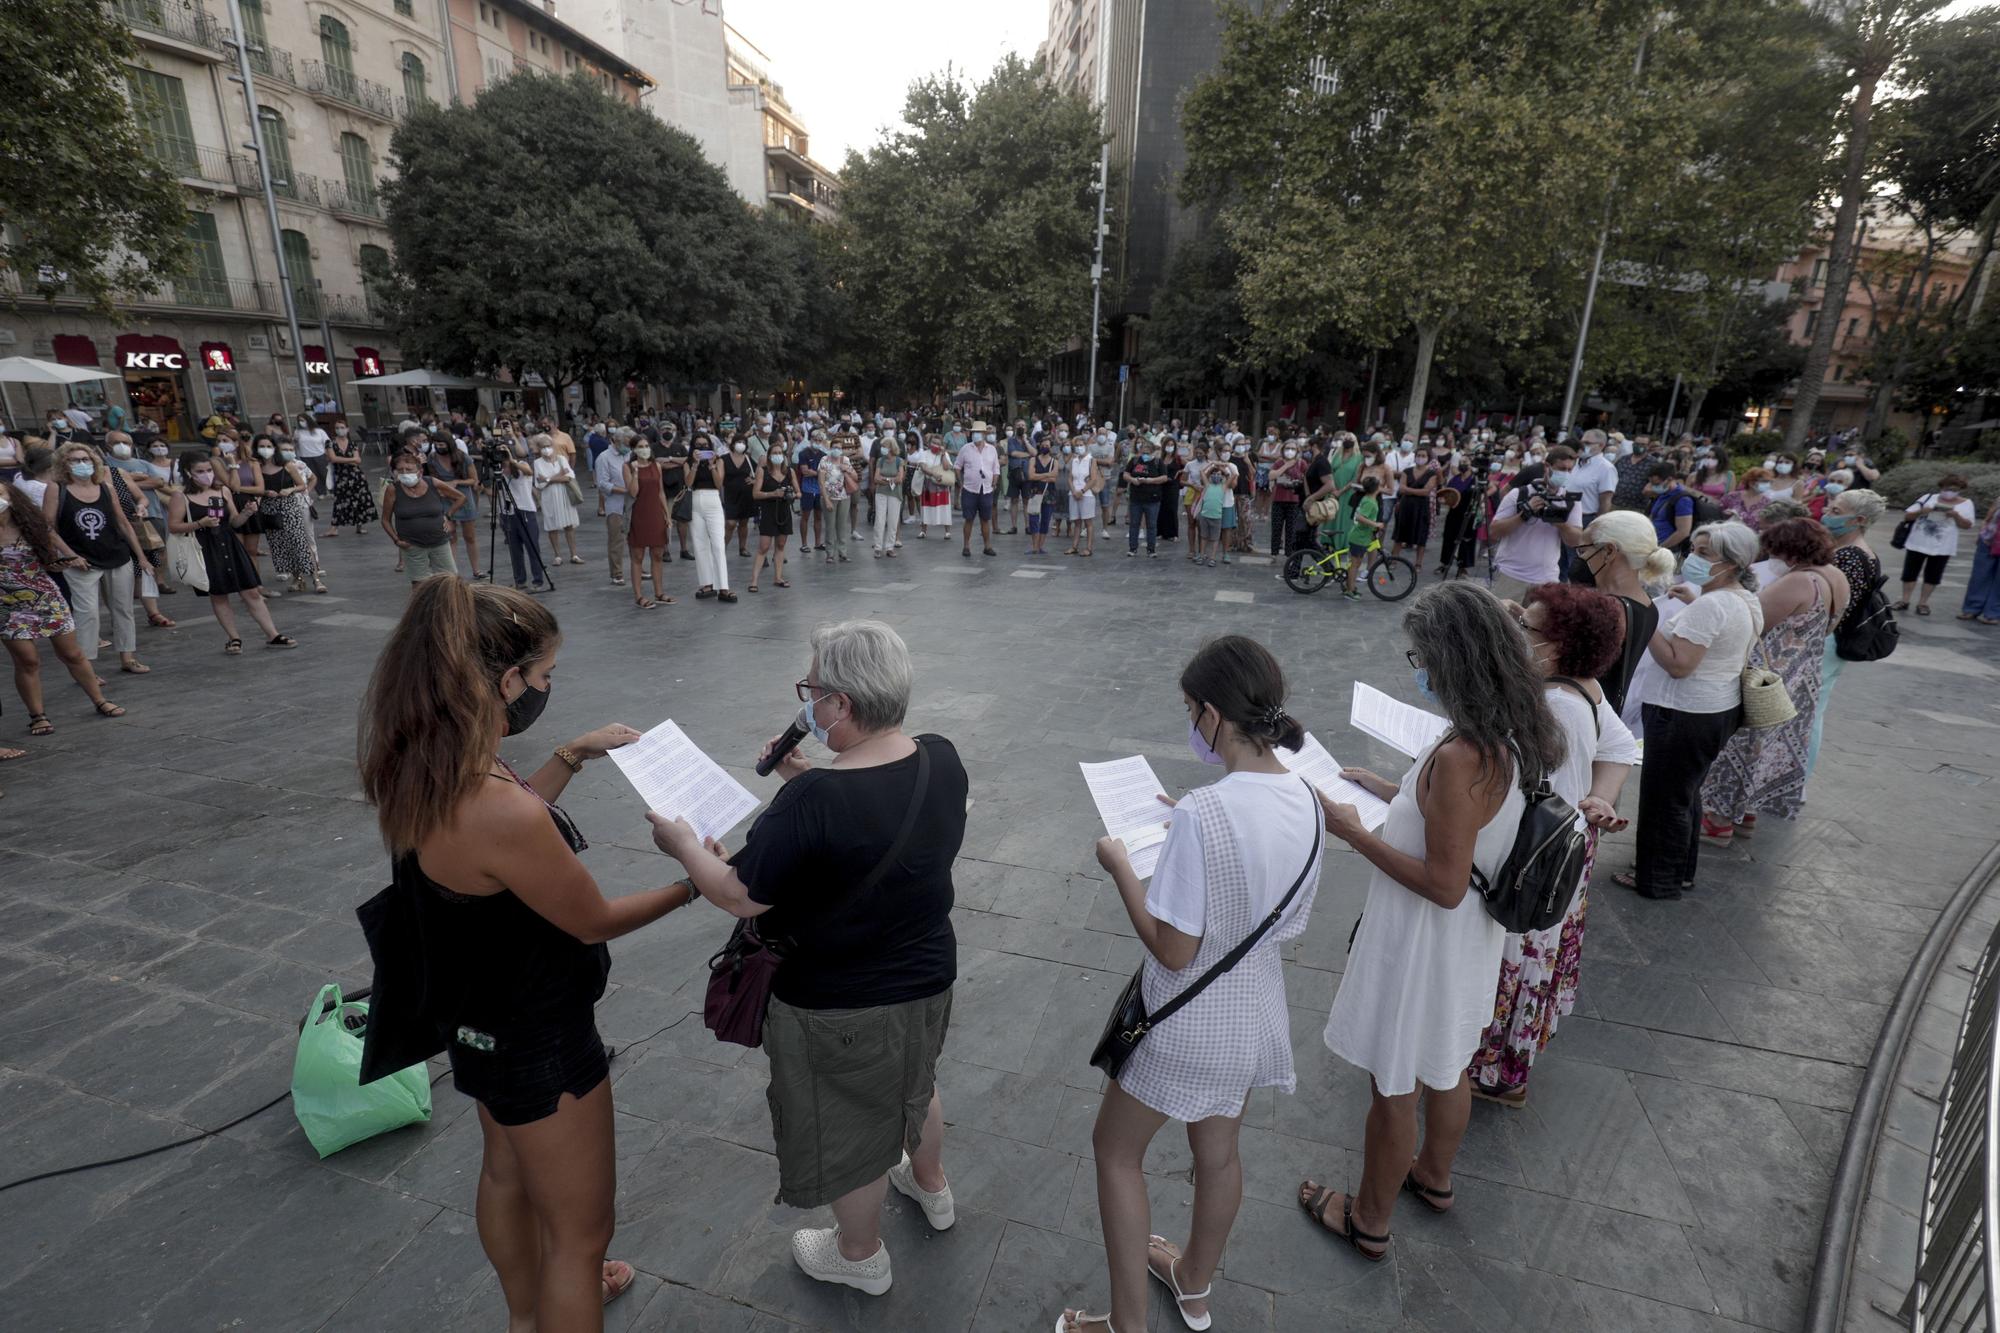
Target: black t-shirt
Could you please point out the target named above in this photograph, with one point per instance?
(1640, 622)
(1317, 472)
(807, 855)
(1137, 469)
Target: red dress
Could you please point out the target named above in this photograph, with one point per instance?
(646, 526)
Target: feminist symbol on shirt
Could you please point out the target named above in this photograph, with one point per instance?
(92, 523)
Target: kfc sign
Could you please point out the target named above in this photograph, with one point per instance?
(149, 351)
(155, 361)
(319, 367)
(367, 365)
(217, 359)
(318, 364)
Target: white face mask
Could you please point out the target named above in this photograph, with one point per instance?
(1291, 453)
(548, 453)
(286, 454)
(229, 446)
(409, 478)
(158, 451)
(737, 447)
(264, 451)
(121, 451)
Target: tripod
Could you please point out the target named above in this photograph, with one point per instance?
(503, 502)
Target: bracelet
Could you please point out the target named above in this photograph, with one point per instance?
(694, 894)
(569, 758)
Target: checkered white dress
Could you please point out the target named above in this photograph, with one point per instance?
(1236, 1035)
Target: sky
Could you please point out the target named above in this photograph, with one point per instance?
(845, 67)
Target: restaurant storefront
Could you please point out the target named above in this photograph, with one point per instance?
(155, 371)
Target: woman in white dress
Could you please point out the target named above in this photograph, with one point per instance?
(1238, 853)
(932, 489)
(553, 476)
(1417, 994)
(1085, 482)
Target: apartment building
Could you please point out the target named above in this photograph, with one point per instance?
(333, 79)
(770, 158)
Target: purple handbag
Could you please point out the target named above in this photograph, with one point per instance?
(740, 976)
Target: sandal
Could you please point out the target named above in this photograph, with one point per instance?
(39, 725)
(1514, 1098)
(725, 596)
(106, 708)
(1966, 615)
(1353, 1236)
(1902, 606)
(1439, 1201)
(1063, 1324)
(160, 621)
(1923, 610)
(613, 1287)
(703, 594)
(234, 647)
(1717, 830)
(644, 603)
(1197, 1322)
(135, 668)
(7, 753)
(281, 641)
(753, 587)
(782, 583)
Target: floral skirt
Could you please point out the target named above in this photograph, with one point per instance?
(1538, 980)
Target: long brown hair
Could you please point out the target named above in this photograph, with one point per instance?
(434, 701)
(27, 516)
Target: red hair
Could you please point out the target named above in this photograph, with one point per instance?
(1584, 626)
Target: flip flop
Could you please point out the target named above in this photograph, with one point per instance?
(613, 1288)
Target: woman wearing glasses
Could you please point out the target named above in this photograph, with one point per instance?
(511, 940)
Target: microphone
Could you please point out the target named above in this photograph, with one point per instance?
(786, 743)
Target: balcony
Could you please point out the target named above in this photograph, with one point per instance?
(274, 62)
(186, 27)
(345, 87)
(344, 197)
(197, 294)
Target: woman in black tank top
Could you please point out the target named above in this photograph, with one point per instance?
(489, 944)
(81, 508)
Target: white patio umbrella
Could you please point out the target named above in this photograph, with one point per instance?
(423, 379)
(29, 370)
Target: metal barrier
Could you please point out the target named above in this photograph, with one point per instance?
(1958, 1260)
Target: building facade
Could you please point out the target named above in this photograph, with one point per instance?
(333, 79)
(1889, 276)
(770, 158)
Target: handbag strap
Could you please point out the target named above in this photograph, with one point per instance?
(917, 793)
(1249, 942)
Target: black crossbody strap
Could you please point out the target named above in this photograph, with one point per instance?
(917, 794)
(1235, 956)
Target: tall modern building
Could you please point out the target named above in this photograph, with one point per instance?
(1136, 59)
(333, 79)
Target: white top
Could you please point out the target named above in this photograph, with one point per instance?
(1079, 475)
(1530, 552)
(522, 489)
(1935, 533)
(1608, 742)
(310, 442)
(1271, 816)
(1590, 478)
(1726, 622)
(1417, 995)
(31, 488)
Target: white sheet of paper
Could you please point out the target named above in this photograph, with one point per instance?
(1392, 721)
(677, 780)
(1312, 762)
(1127, 793)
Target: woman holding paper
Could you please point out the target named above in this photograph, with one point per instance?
(495, 922)
(849, 874)
(1417, 994)
(1238, 852)
(1575, 635)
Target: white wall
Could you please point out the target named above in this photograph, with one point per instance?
(680, 46)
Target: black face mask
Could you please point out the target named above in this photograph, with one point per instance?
(1580, 572)
(524, 709)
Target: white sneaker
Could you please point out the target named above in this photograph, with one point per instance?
(817, 1252)
(937, 1207)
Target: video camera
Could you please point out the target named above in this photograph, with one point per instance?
(1546, 500)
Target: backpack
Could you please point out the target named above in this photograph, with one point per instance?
(1707, 509)
(1869, 633)
(1533, 887)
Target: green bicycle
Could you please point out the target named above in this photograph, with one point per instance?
(1389, 577)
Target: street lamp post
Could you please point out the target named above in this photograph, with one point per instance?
(1097, 278)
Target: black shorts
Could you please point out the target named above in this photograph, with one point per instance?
(1930, 566)
(528, 1070)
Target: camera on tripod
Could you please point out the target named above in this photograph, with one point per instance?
(1545, 499)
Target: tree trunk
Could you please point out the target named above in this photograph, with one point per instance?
(1007, 382)
(1257, 405)
(1840, 264)
(1420, 378)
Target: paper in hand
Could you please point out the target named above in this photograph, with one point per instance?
(1312, 762)
(1127, 793)
(678, 781)
(1392, 721)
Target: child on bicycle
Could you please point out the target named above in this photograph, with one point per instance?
(1364, 531)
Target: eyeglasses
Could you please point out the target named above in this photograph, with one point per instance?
(1410, 656)
(804, 690)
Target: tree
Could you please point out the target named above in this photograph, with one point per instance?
(549, 227)
(1427, 200)
(967, 237)
(1870, 38)
(84, 200)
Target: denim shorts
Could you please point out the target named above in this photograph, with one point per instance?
(977, 505)
(808, 500)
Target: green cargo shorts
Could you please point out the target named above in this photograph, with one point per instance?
(849, 1091)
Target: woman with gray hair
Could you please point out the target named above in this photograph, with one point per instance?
(1690, 715)
(1846, 520)
(848, 874)
(1417, 994)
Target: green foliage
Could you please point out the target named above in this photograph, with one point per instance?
(550, 227)
(1889, 448)
(81, 194)
(1905, 483)
(964, 241)
(1751, 447)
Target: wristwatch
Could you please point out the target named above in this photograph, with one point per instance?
(568, 756)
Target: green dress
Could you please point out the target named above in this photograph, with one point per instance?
(1334, 535)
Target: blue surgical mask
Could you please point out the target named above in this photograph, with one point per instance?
(810, 716)
(1698, 570)
(1763, 488)
(1199, 744)
(1838, 524)
(1833, 488)
(83, 469)
(1422, 676)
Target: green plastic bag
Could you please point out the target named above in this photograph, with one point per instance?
(333, 1106)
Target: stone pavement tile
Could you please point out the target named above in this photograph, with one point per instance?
(1821, 1026)
(1747, 1170)
(443, 1164)
(1445, 1288)
(1614, 1045)
(283, 989)
(676, 1309)
(428, 1285)
(1014, 1180)
(24, 920)
(688, 1203)
(1686, 939)
(166, 1054)
(170, 907)
(1655, 998)
(1277, 1248)
(1607, 1308)
(661, 1085)
(61, 1009)
(1824, 1131)
(1079, 1004)
(106, 945)
(1172, 1205)
(1766, 1073)
(203, 967)
(1754, 1280)
(1310, 988)
(1809, 956)
(1070, 945)
(1014, 1106)
(997, 1004)
(1586, 1136)
(938, 1275)
(252, 925)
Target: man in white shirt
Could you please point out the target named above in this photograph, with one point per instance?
(1103, 447)
(1531, 526)
(1594, 480)
(978, 481)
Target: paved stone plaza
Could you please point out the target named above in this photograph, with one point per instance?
(176, 885)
